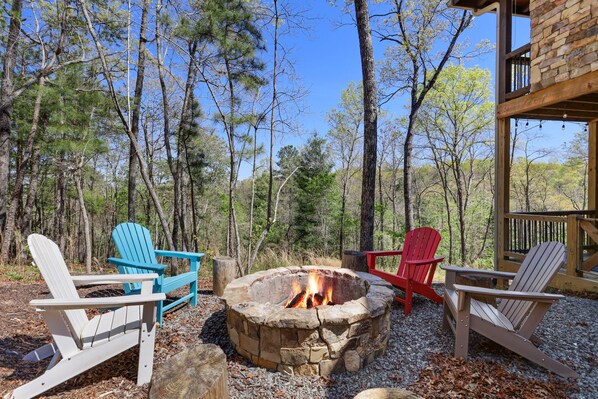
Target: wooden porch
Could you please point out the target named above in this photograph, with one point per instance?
(578, 230)
(574, 100)
(554, 77)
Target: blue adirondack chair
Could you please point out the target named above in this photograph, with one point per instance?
(138, 256)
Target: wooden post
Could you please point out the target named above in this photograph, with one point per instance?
(355, 261)
(502, 176)
(224, 270)
(593, 167)
(504, 43)
(573, 245)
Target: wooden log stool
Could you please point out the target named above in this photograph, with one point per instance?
(199, 372)
(224, 270)
(354, 260)
(387, 393)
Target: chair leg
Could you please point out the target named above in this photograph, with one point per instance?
(193, 290)
(462, 333)
(74, 365)
(524, 347)
(147, 339)
(159, 307)
(408, 297)
(445, 317)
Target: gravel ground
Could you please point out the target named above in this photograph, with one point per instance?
(568, 333)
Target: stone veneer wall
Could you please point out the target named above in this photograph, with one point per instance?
(564, 42)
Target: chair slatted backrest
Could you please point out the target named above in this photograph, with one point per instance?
(535, 273)
(420, 243)
(49, 260)
(134, 243)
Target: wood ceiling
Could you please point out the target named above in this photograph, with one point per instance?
(577, 98)
(521, 7)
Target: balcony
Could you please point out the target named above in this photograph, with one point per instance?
(518, 66)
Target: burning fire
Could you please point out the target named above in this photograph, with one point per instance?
(313, 295)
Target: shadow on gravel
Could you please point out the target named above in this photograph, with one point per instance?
(214, 332)
(11, 357)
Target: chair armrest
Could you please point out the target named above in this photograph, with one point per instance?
(146, 266)
(383, 253)
(91, 303)
(520, 295)
(421, 262)
(479, 272)
(177, 254)
(113, 278)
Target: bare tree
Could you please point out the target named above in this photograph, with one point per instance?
(140, 76)
(345, 138)
(126, 126)
(424, 35)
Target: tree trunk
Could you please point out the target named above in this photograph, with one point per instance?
(231, 236)
(381, 199)
(86, 226)
(461, 209)
(184, 127)
(133, 163)
(407, 171)
(370, 125)
(27, 222)
(21, 170)
(6, 91)
(272, 112)
(194, 220)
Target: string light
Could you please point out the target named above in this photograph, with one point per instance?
(527, 123)
(540, 125)
(516, 122)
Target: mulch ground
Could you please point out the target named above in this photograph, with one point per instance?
(22, 330)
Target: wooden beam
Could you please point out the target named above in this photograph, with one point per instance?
(502, 176)
(572, 116)
(590, 263)
(573, 245)
(590, 229)
(504, 43)
(562, 91)
(593, 167)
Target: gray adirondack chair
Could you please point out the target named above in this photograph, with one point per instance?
(79, 343)
(512, 323)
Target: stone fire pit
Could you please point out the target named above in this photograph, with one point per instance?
(319, 341)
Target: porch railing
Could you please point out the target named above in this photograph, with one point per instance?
(576, 229)
(519, 63)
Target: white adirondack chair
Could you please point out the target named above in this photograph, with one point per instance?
(79, 343)
(512, 323)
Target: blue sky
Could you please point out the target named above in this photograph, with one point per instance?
(327, 59)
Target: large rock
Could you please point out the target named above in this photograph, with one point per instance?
(387, 393)
(198, 373)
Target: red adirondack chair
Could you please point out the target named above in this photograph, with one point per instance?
(417, 266)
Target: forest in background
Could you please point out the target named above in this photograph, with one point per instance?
(148, 111)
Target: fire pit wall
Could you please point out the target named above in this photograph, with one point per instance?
(318, 341)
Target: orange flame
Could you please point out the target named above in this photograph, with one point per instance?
(313, 295)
